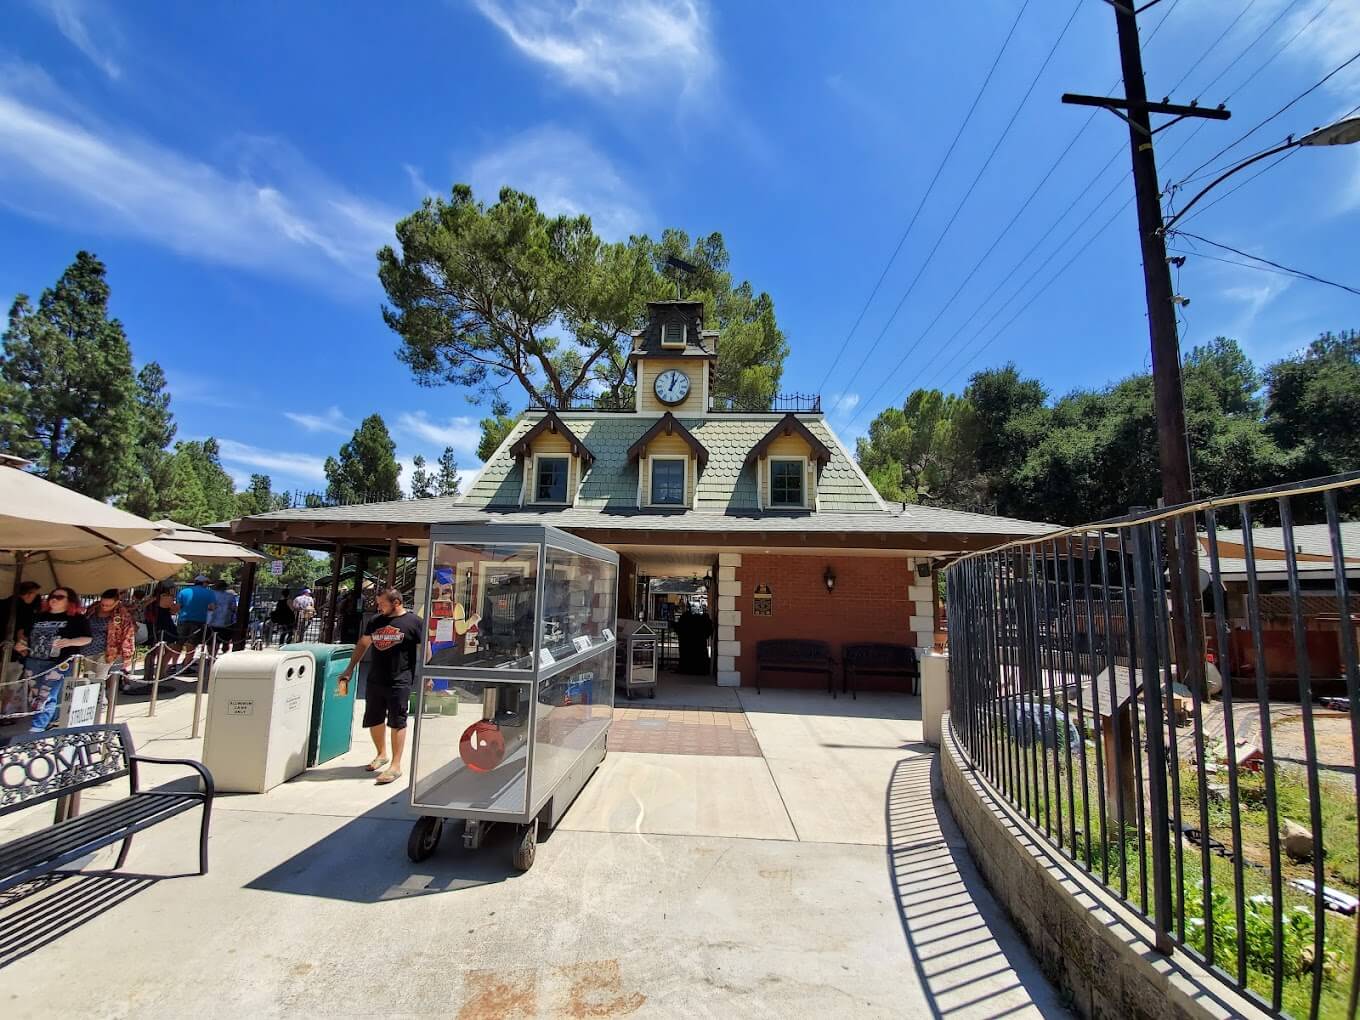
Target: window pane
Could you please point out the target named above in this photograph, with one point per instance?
(668, 482)
(786, 483)
(552, 480)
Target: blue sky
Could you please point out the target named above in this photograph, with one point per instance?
(237, 165)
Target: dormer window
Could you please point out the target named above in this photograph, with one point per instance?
(786, 482)
(668, 480)
(673, 334)
(550, 479)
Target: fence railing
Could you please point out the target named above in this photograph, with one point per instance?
(807, 403)
(1121, 686)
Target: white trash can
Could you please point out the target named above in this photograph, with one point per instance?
(258, 718)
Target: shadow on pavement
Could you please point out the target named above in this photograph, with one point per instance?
(969, 959)
(795, 701)
(364, 861)
(37, 913)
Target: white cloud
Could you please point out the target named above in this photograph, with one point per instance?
(330, 420)
(567, 175)
(1256, 293)
(462, 433)
(842, 403)
(612, 47)
(418, 182)
(1328, 42)
(464, 474)
(74, 19)
(287, 465)
(270, 212)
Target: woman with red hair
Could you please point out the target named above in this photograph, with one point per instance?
(56, 634)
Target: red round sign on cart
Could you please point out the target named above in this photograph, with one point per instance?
(482, 746)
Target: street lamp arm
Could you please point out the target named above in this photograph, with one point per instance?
(1223, 177)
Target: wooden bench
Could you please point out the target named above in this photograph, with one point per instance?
(878, 658)
(58, 763)
(795, 655)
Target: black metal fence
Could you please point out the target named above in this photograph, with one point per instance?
(1176, 707)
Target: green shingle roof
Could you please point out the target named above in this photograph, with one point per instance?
(726, 484)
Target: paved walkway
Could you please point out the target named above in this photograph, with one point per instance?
(822, 875)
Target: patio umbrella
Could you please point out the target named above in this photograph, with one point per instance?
(198, 546)
(40, 519)
(37, 515)
(92, 568)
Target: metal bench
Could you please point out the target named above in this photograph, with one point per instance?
(795, 655)
(59, 763)
(878, 658)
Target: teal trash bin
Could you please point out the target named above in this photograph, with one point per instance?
(332, 713)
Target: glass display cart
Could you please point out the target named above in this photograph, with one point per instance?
(516, 688)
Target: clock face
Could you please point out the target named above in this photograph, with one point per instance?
(671, 386)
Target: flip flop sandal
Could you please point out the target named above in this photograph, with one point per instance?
(388, 777)
(377, 764)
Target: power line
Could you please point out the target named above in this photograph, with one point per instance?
(967, 194)
(1251, 46)
(1032, 276)
(1284, 46)
(996, 241)
(1037, 294)
(1234, 262)
(1212, 46)
(1312, 88)
(1237, 187)
(1019, 264)
(1302, 274)
(926, 196)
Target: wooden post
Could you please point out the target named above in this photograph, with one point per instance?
(391, 564)
(241, 630)
(1117, 735)
(335, 591)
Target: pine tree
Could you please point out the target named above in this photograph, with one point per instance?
(70, 395)
(155, 430)
(446, 480)
(422, 482)
(366, 470)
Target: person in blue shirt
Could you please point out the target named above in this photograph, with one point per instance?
(222, 616)
(195, 602)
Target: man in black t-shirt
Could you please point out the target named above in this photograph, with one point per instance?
(396, 635)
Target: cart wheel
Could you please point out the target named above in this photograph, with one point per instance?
(523, 858)
(424, 837)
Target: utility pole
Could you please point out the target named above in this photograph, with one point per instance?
(1173, 444)
(1173, 451)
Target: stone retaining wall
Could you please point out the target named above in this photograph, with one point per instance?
(1088, 943)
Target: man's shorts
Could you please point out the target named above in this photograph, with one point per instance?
(388, 703)
(190, 633)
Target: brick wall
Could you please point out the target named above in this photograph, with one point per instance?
(874, 600)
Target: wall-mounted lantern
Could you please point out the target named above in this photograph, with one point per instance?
(830, 578)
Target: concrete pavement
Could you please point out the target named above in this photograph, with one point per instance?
(822, 876)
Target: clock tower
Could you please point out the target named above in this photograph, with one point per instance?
(674, 358)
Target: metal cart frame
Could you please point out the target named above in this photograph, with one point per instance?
(544, 802)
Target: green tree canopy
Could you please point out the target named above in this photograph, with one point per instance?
(1313, 404)
(422, 482)
(68, 387)
(488, 296)
(446, 477)
(1003, 446)
(925, 452)
(366, 470)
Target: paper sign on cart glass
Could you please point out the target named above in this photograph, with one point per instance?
(582, 643)
(545, 658)
(443, 629)
(607, 634)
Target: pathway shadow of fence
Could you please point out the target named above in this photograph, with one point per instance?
(38, 913)
(969, 959)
